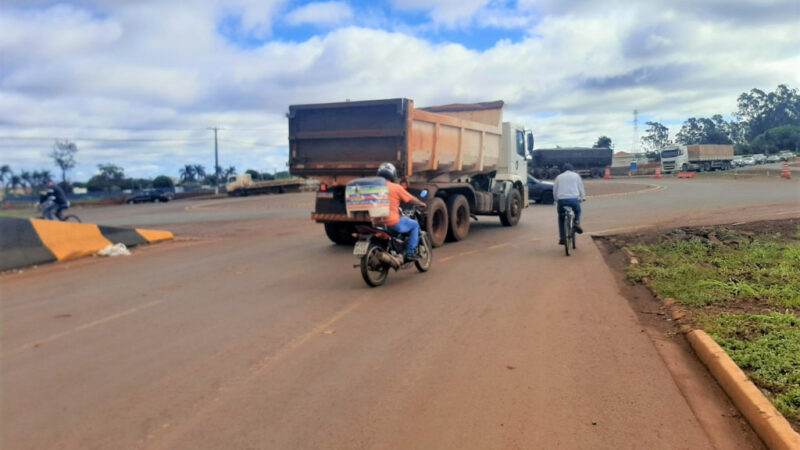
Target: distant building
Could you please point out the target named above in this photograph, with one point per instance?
(622, 159)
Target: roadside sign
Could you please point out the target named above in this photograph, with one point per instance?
(633, 166)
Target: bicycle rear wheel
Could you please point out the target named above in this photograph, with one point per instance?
(567, 233)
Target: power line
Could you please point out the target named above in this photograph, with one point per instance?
(98, 127)
(31, 138)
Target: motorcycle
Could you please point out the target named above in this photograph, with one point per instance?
(380, 249)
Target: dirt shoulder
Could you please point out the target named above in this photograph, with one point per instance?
(739, 282)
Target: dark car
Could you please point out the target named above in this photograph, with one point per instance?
(540, 191)
(150, 195)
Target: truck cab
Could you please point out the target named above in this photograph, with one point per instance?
(239, 182)
(673, 158)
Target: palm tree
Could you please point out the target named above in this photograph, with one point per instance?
(5, 175)
(230, 171)
(16, 181)
(27, 177)
(200, 171)
(188, 174)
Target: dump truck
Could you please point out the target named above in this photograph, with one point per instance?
(461, 159)
(700, 158)
(242, 185)
(547, 163)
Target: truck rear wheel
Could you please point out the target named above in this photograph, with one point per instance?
(511, 215)
(436, 222)
(458, 212)
(341, 233)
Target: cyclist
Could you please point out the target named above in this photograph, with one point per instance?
(568, 191)
(402, 225)
(55, 200)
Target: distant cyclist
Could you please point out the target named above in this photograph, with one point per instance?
(568, 191)
(55, 201)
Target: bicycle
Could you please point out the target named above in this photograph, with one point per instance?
(68, 218)
(569, 229)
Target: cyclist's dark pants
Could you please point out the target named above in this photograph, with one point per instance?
(576, 206)
(58, 209)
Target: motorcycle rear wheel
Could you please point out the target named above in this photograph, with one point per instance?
(373, 271)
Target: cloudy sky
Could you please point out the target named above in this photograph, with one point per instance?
(138, 83)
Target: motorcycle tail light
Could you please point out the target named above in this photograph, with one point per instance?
(323, 187)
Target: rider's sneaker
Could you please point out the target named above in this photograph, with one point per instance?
(578, 228)
(410, 258)
(561, 242)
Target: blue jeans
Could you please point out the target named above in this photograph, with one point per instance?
(410, 227)
(576, 206)
(50, 209)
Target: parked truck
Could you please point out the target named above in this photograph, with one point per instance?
(463, 158)
(241, 185)
(700, 158)
(547, 163)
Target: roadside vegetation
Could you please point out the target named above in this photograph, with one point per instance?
(742, 286)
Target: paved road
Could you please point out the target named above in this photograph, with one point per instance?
(253, 331)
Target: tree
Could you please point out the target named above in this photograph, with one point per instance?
(603, 142)
(188, 174)
(40, 179)
(110, 177)
(761, 111)
(163, 182)
(774, 140)
(5, 175)
(200, 171)
(64, 156)
(253, 174)
(230, 171)
(703, 131)
(27, 178)
(656, 137)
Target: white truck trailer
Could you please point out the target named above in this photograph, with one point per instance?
(699, 158)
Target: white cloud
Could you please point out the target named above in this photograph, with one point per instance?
(321, 14)
(138, 83)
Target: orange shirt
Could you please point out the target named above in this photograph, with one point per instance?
(396, 195)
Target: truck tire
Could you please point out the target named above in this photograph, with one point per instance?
(513, 212)
(341, 233)
(458, 213)
(436, 222)
(684, 168)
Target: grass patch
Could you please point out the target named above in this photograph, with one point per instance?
(768, 349)
(698, 272)
(18, 213)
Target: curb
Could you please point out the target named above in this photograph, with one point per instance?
(27, 242)
(770, 425)
(766, 420)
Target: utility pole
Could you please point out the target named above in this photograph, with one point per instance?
(216, 161)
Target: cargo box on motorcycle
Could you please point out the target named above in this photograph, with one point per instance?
(368, 196)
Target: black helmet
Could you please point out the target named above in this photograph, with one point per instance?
(387, 170)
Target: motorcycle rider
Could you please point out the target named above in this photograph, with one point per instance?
(402, 225)
(58, 201)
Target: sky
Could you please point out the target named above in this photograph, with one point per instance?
(139, 83)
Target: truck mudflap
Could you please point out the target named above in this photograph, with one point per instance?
(322, 218)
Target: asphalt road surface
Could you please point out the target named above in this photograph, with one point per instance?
(252, 330)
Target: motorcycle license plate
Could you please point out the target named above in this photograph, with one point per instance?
(361, 248)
